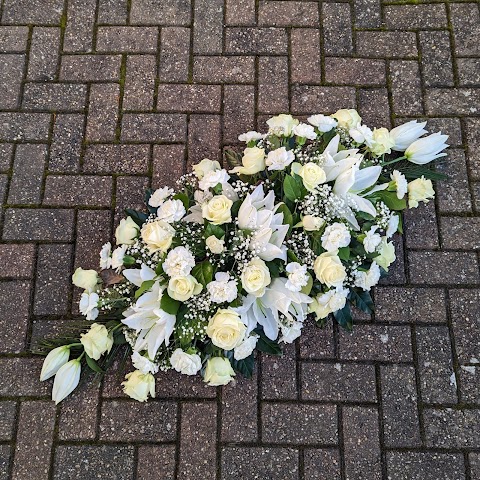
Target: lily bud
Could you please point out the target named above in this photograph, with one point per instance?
(55, 359)
(426, 149)
(404, 135)
(66, 380)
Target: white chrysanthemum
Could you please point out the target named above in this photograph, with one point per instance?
(159, 196)
(246, 348)
(401, 183)
(297, 276)
(105, 261)
(279, 159)
(322, 122)
(179, 262)
(371, 240)
(250, 136)
(213, 178)
(171, 211)
(367, 280)
(117, 257)
(335, 236)
(223, 288)
(88, 305)
(144, 364)
(361, 134)
(305, 131)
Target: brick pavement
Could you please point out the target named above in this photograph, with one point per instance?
(101, 98)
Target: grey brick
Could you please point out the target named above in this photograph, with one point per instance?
(43, 59)
(160, 12)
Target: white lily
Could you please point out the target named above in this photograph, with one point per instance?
(404, 135)
(265, 310)
(55, 359)
(139, 275)
(141, 315)
(66, 380)
(427, 149)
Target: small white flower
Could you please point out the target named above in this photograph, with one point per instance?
(246, 348)
(88, 305)
(305, 131)
(117, 257)
(179, 262)
(250, 136)
(223, 288)
(159, 196)
(213, 178)
(215, 245)
(297, 276)
(188, 364)
(367, 280)
(322, 122)
(279, 159)
(361, 134)
(335, 236)
(401, 183)
(371, 240)
(171, 211)
(105, 261)
(392, 227)
(144, 364)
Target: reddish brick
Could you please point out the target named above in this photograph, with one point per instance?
(313, 99)
(103, 112)
(448, 101)
(468, 71)
(189, 98)
(273, 84)
(387, 44)
(354, 71)
(160, 12)
(174, 54)
(420, 226)
(158, 459)
(13, 39)
(7, 419)
(130, 193)
(207, 28)
(66, 145)
(11, 73)
(24, 126)
(6, 154)
(258, 41)
(406, 87)
(168, 164)
(409, 17)
(279, 375)
(139, 83)
(240, 12)
(473, 153)
(25, 385)
(305, 56)
(43, 59)
(374, 107)
(466, 27)
(460, 233)
(204, 137)
(32, 11)
(337, 28)
(287, 13)
(154, 127)
(315, 342)
(86, 68)
(127, 39)
(129, 159)
(238, 111)
(112, 12)
(321, 464)
(54, 96)
(24, 259)
(224, 69)
(368, 13)
(437, 69)
(79, 29)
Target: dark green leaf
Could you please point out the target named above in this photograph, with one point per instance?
(159, 269)
(128, 260)
(233, 158)
(138, 217)
(245, 366)
(391, 201)
(203, 272)
(344, 253)
(144, 287)
(291, 188)
(215, 230)
(92, 364)
(218, 189)
(184, 199)
(148, 194)
(119, 339)
(274, 269)
(362, 300)
(264, 344)
(344, 317)
(169, 305)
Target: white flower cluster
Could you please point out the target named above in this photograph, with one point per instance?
(237, 260)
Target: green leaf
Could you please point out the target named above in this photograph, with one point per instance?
(400, 223)
(138, 217)
(287, 215)
(308, 287)
(233, 158)
(391, 200)
(344, 317)
(214, 230)
(93, 365)
(264, 344)
(159, 269)
(362, 300)
(274, 269)
(128, 260)
(292, 257)
(184, 199)
(144, 287)
(291, 188)
(148, 194)
(344, 253)
(119, 339)
(245, 366)
(218, 189)
(169, 305)
(203, 272)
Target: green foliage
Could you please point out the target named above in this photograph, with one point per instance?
(264, 344)
(214, 230)
(168, 304)
(138, 217)
(203, 272)
(362, 300)
(144, 287)
(344, 253)
(148, 194)
(183, 197)
(93, 365)
(233, 158)
(128, 260)
(293, 187)
(245, 366)
(391, 200)
(344, 317)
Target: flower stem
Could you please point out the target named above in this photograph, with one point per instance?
(393, 161)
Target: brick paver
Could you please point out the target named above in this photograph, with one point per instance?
(102, 98)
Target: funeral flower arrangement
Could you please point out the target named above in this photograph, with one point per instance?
(237, 259)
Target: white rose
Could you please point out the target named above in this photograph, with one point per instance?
(223, 288)
(250, 136)
(226, 329)
(126, 231)
(312, 175)
(367, 280)
(179, 262)
(304, 131)
(329, 269)
(218, 210)
(401, 183)
(322, 122)
(382, 142)
(253, 161)
(138, 385)
(279, 159)
(96, 341)
(86, 279)
(159, 196)
(213, 178)
(347, 118)
(171, 211)
(291, 332)
(297, 276)
(282, 124)
(335, 236)
(183, 288)
(311, 223)
(158, 235)
(219, 371)
(88, 305)
(246, 348)
(371, 240)
(105, 260)
(361, 134)
(329, 302)
(393, 222)
(215, 245)
(255, 277)
(420, 190)
(143, 364)
(205, 166)
(188, 364)
(387, 254)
